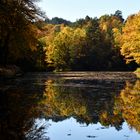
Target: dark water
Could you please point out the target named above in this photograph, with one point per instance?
(70, 106)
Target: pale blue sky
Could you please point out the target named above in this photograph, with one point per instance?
(75, 9)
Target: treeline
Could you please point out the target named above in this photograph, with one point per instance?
(90, 43)
(105, 43)
(57, 20)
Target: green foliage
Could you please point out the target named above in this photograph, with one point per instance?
(138, 70)
(57, 20)
(118, 14)
(111, 29)
(64, 48)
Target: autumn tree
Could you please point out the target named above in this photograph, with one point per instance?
(111, 29)
(17, 31)
(130, 48)
(66, 48)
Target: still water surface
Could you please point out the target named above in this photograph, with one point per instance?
(70, 106)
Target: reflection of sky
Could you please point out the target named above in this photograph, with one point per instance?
(71, 130)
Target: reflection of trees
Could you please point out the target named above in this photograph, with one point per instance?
(87, 105)
(36, 132)
(20, 106)
(128, 104)
(18, 113)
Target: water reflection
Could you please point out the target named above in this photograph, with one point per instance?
(109, 106)
(128, 104)
(18, 103)
(25, 103)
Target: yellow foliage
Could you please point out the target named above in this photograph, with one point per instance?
(130, 104)
(131, 39)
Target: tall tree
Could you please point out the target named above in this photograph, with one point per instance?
(111, 28)
(17, 32)
(118, 14)
(66, 48)
(130, 48)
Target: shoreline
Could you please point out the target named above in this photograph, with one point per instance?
(10, 71)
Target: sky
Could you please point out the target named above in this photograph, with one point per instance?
(75, 9)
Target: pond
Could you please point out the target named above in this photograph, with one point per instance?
(70, 106)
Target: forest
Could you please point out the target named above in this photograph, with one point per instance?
(74, 75)
(33, 42)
